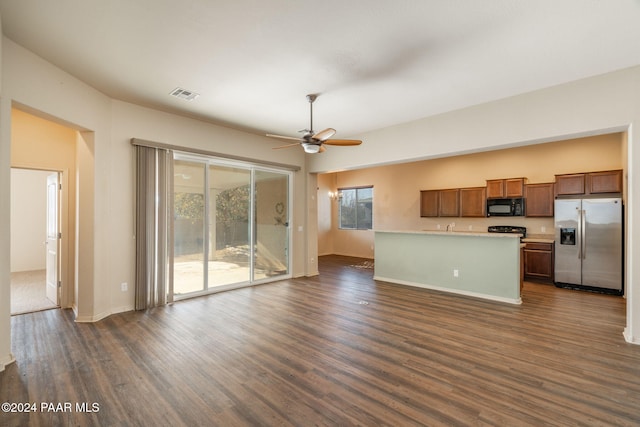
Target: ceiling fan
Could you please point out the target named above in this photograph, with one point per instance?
(314, 142)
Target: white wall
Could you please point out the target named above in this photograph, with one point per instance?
(28, 219)
(5, 226)
(596, 105)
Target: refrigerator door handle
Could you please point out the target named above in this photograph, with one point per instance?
(579, 234)
(583, 235)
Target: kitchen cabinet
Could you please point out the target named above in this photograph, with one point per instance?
(473, 202)
(539, 200)
(505, 188)
(538, 261)
(449, 202)
(570, 184)
(605, 182)
(589, 183)
(434, 203)
(429, 203)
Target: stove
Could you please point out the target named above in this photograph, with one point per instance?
(508, 229)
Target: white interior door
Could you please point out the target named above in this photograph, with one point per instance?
(53, 237)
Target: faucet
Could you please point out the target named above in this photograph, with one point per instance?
(450, 226)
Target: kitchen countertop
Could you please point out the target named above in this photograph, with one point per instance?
(454, 233)
(539, 238)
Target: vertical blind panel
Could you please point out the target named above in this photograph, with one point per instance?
(151, 227)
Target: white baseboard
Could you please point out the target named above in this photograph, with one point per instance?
(516, 301)
(6, 360)
(94, 318)
(628, 337)
(100, 316)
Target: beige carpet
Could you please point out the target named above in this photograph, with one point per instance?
(28, 292)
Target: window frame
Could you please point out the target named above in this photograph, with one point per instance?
(356, 210)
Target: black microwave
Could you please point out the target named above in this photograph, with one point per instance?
(505, 207)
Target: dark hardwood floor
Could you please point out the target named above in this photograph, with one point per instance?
(336, 349)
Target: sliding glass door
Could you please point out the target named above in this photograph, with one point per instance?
(189, 215)
(231, 225)
(229, 249)
(271, 224)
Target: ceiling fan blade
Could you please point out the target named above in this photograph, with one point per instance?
(293, 138)
(323, 135)
(322, 149)
(343, 142)
(286, 146)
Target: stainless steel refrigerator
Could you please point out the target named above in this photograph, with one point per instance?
(588, 244)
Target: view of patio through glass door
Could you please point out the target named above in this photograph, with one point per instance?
(219, 210)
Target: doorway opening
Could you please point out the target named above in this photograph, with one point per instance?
(35, 240)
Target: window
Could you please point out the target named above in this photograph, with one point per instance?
(356, 208)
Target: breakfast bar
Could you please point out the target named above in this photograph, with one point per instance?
(483, 265)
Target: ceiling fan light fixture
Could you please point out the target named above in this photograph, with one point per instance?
(310, 148)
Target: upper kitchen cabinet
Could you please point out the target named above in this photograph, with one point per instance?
(505, 188)
(570, 184)
(589, 183)
(473, 202)
(539, 200)
(449, 202)
(429, 203)
(435, 203)
(605, 182)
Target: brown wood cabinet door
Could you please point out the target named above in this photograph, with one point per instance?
(570, 184)
(429, 203)
(450, 202)
(538, 261)
(514, 187)
(539, 200)
(605, 182)
(495, 188)
(473, 202)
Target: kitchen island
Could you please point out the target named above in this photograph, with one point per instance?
(484, 265)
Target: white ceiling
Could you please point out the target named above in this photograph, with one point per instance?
(375, 63)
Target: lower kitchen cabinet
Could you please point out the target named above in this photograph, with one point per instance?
(538, 261)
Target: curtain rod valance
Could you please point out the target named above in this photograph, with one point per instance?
(163, 146)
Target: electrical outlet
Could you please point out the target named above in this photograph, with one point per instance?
(470, 227)
(543, 229)
(438, 227)
(455, 273)
(124, 286)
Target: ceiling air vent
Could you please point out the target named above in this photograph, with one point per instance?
(187, 95)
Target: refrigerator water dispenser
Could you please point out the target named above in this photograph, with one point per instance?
(567, 236)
